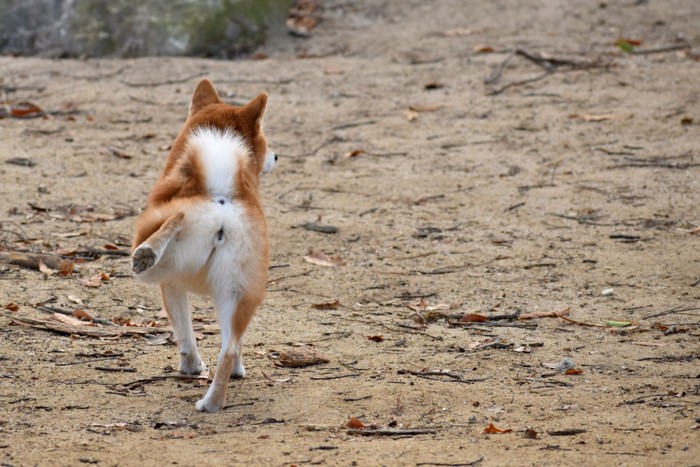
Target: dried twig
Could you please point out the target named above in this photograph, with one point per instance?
(677, 309)
(454, 376)
(392, 431)
(166, 82)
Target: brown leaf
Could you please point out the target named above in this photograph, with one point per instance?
(354, 153)
(119, 153)
(301, 357)
(82, 315)
(355, 424)
(321, 259)
(483, 49)
(530, 434)
(20, 110)
(332, 305)
(11, 307)
(423, 108)
(493, 429)
(546, 314)
(473, 318)
(66, 267)
(109, 246)
(573, 371)
(376, 338)
(92, 282)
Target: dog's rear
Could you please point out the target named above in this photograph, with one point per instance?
(204, 230)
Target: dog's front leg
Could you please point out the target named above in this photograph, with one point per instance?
(177, 305)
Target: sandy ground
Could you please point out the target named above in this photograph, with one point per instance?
(575, 193)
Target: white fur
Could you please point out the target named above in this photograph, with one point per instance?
(270, 161)
(220, 153)
(197, 247)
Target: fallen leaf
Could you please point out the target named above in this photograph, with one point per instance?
(321, 259)
(82, 315)
(601, 117)
(546, 314)
(573, 371)
(301, 357)
(11, 307)
(45, 269)
(483, 49)
(71, 320)
(92, 282)
(627, 45)
(158, 339)
(376, 338)
(617, 324)
(20, 110)
(473, 318)
(354, 153)
(75, 299)
(277, 380)
(530, 434)
(686, 121)
(109, 246)
(119, 153)
(492, 429)
(418, 304)
(410, 115)
(354, 423)
(332, 305)
(423, 108)
(66, 267)
(459, 32)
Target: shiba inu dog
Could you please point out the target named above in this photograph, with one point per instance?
(204, 229)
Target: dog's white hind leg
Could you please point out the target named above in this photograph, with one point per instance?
(148, 253)
(176, 304)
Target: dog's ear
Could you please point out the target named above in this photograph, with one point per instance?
(255, 109)
(204, 95)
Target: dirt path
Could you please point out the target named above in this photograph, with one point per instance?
(575, 193)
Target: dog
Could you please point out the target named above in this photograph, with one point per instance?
(204, 231)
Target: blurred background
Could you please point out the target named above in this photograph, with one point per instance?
(134, 28)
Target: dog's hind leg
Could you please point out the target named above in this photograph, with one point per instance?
(234, 316)
(177, 305)
(149, 252)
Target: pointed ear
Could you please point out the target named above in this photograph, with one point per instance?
(255, 109)
(204, 95)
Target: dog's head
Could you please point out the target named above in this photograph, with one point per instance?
(207, 110)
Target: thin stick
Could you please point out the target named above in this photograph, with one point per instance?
(393, 432)
(495, 77)
(677, 309)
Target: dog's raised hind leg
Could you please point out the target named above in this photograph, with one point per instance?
(149, 252)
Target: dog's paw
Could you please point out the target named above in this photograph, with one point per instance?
(206, 405)
(143, 258)
(238, 371)
(192, 364)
